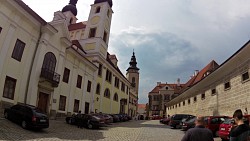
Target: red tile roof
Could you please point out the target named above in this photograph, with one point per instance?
(195, 79)
(202, 74)
(78, 45)
(173, 86)
(141, 106)
(76, 26)
(112, 56)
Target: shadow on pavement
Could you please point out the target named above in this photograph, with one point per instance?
(58, 130)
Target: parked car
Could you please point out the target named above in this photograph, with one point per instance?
(190, 123)
(165, 120)
(185, 119)
(213, 123)
(156, 117)
(227, 124)
(27, 116)
(224, 129)
(176, 119)
(89, 121)
(115, 118)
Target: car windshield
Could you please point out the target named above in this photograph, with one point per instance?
(96, 117)
(192, 119)
(227, 121)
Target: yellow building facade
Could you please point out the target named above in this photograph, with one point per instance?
(60, 66)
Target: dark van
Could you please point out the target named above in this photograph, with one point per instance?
(176, 119)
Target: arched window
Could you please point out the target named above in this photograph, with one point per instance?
(49, 62)
(98, 89)
(107, 93)
(115, 97)
(98, 9)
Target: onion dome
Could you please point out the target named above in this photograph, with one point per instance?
(100, 1)
(133, 63)
(71, 7)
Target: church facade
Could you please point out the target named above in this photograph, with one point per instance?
(62, 66)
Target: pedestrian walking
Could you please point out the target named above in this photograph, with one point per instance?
(239, 131)
(199, 132)
(78, 120)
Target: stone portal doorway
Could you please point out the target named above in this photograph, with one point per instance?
(43, 102)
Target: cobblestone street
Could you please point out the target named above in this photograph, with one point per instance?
(125, 131)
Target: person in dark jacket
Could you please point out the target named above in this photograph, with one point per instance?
(79, 120)
(199, 132)
(239, 132)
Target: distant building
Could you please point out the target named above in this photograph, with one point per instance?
(142, 110)
(163, 93)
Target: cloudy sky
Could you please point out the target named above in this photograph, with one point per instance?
(171, 38)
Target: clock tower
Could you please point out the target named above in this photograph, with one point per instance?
(133, 73)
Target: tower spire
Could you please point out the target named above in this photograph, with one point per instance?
(133, 63)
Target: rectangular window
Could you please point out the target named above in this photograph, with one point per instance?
(203, 96)
(188, 101)
(62, 103)
(213, 92)
(98, 9)
(117, 82)
(179, 104)
(89, 86)
(9, 87)
(100, 70)
(66, 75)
(79, 81)
(92, 32)
(18, 50)
(245, 76)
(183, 103)
(195, 99)
(108, 76)
(0, 29)
(126, 89)
(166, 97)
(105, 35)
(123, 87)
(227, 85)
(76, 105)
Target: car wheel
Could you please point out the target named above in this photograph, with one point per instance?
(90, 126)
(24, 124)
(6, 115)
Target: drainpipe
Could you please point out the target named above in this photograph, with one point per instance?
(32, 64)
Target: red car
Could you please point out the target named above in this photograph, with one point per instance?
(213, 123)
(226, 125)
(224, 129)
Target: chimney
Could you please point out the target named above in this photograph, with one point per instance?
(178, 82)
(158, 83)
(113, 59)
(196, 72)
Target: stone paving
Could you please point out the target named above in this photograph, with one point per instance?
(124, 131)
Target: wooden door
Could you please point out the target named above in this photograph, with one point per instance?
(43, 102)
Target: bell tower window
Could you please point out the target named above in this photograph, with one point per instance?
(105, 34)
(98, 9)
(92, 32)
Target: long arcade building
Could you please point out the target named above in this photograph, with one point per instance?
(63, 66)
